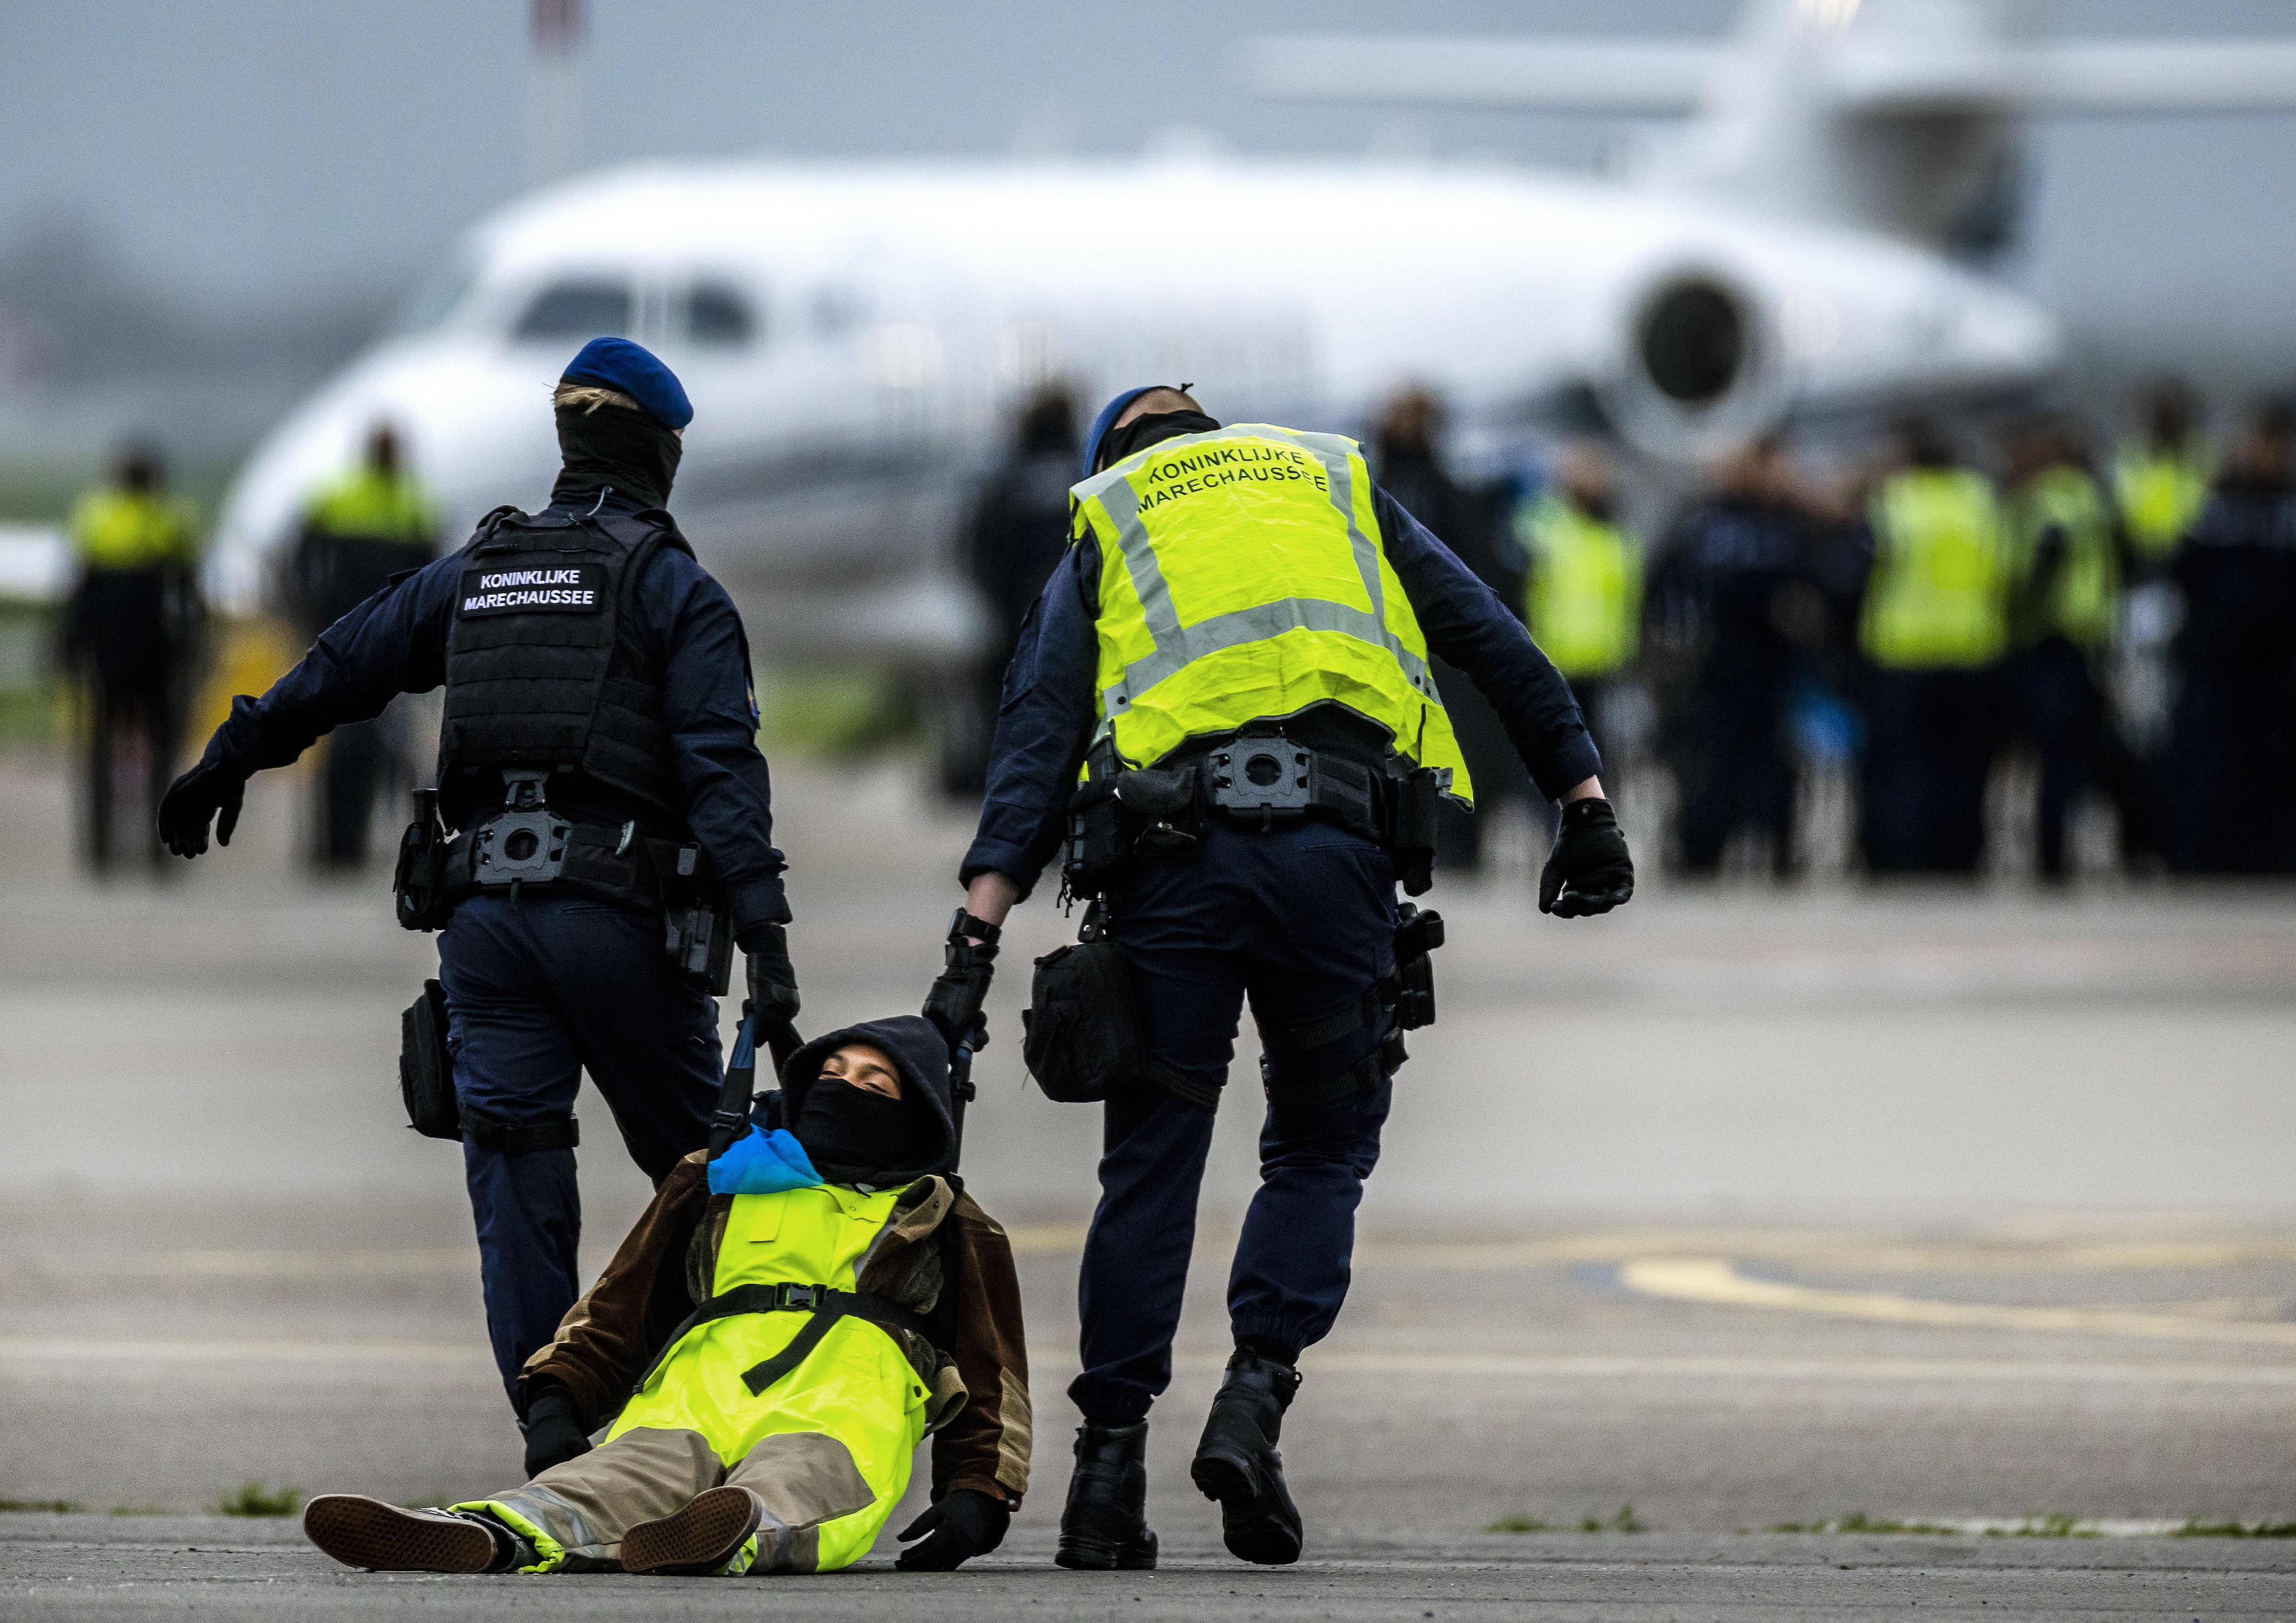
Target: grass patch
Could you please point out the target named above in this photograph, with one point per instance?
(254, 1499)
(1625, 1521)
(834, 714)
(1521, 1524)
(141, 1509)
(2198, 1529)
(2056, 1525)
(54, 1507)
(1861, 1522)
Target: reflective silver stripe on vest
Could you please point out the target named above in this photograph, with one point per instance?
(1178, 647)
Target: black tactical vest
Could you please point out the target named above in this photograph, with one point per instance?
(545, 664)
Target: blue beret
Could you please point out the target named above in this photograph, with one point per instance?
(1106, 421)
(638, 373)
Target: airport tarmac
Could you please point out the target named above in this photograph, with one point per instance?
(1953, 1208)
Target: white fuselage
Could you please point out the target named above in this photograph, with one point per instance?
(860, 334)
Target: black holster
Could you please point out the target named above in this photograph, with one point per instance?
(418, 885)
(426, 1072)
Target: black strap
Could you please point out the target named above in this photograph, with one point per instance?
(1361, 1077)
(504, 1139)
(826, 1304)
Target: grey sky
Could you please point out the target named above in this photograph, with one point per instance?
(241, 150)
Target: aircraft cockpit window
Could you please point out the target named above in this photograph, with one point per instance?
(578, 309)
(718, 315)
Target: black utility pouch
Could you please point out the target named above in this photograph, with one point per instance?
(426, 1071)
(1417, 797)
(1080, 1036)
(1417, 933)
(418, 885)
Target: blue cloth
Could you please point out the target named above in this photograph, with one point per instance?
(1106, 421)
(638, 373)
(760, 1162)
(538, 991)
(395, 641)
(1303, 918)
(1046, 719)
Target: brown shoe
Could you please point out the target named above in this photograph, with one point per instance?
(362, 1532)
(700, 1540)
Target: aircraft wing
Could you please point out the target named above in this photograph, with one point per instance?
(1664, 76)
(2166, 75)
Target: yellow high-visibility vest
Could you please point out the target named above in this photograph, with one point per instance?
(121, 530)
(1938, 597)
(2161, 493)
(2084, 593)
(376, 507)
(1243, 578)
(1585, 594)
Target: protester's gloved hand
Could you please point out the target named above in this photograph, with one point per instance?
(968, 960)
(967, 1523)
(553, 1432)
(773, 978)
(1589, 871)
(208, 789)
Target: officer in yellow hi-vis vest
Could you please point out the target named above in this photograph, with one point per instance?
(765, 1350)
(2065, 570)
(129, 634)
(1935, 627)
(1235, 653)
(1583, 593)
(373, 522)
(2160, 480)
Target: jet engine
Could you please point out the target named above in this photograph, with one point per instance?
(1693, 369)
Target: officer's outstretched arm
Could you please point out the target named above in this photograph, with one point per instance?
(1589, 870)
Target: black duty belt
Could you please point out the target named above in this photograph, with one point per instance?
(826, 1304)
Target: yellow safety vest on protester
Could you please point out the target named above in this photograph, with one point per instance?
(376, 507)
(2084, 591)
(1585, 598)
(1243, 578)
(122, 529)
(854, 1397)
(1938, 597)
(2161, 493)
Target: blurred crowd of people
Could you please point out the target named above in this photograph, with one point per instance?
(1975, 611)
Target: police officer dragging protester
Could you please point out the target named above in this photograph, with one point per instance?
(1236, 650)
(610, 820)
(130, 631)
(360, 529)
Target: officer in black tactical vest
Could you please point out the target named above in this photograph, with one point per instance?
(610, 812)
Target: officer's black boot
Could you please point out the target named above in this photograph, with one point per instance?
(1237, 1465)
(1105, 1523)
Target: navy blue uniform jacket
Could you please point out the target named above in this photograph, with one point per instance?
(395, 642)
(1045, 721)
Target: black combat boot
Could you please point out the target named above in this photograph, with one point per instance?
(1105, 1523)
(1237, 1465)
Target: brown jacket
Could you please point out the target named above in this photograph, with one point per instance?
(977, 1365)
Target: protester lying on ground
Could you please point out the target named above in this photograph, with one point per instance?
(772, 1340)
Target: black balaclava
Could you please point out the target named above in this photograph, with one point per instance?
(853, 1131)
(1146, 430)
(613, 446)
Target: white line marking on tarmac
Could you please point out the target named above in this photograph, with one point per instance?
(1699, 1279)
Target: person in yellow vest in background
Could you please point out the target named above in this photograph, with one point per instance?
(2065, 572)
(2161, 479)
(131, 631)
(373, 522)
(1583, 590)
(1935, 629)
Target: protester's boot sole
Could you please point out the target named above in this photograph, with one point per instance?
(698, 1539)
(362, 1532)
(1258, 1522)
(1089, 1552)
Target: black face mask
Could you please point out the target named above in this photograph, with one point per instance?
(610, 447)
(851, 1131)
(1142, 432)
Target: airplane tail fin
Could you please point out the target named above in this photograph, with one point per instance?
(1897, 115)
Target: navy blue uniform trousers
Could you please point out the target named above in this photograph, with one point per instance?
(1302, 919)
(537, 990)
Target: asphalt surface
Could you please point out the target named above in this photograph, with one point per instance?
(1959, 1207)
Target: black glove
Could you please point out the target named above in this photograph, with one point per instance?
(1589, 871)
(967, 1523)
(206, 789)
(955, 1002)
(773, 978)
(553, 1433)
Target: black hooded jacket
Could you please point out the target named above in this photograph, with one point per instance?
(919, 1053)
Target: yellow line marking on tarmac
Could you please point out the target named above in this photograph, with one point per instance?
(1696, 1279)
(78, 1349)
(1850, 1253)
(1607, 1366)
(398, 1261)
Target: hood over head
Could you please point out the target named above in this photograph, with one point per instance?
(920, 1054)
